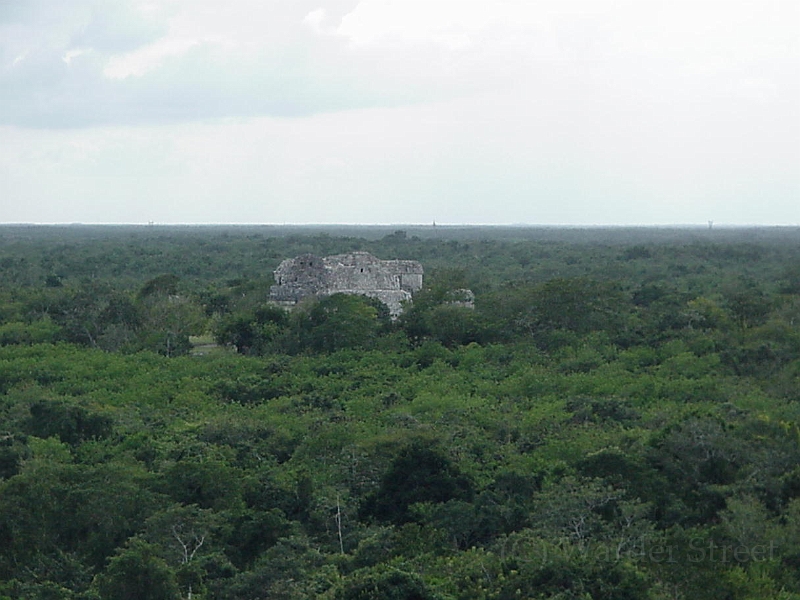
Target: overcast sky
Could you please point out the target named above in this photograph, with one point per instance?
(575, 112)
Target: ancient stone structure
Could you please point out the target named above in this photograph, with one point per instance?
(390, 281)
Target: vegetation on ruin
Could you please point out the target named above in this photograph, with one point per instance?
(618, 417)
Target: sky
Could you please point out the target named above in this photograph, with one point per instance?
(539, 112)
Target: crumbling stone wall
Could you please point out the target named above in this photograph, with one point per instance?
(390, 281)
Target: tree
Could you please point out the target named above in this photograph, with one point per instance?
(188, 539)
(337, 322)
(105, 506)
(748, 305)
(577, 306)
(82, 312)
(72, 424)
(387, 584)
(454, 325)
(256, 332)
(163, 285)
(208, 484)
(420, 473)
(137, 573)
(167, 323)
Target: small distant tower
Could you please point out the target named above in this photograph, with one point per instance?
(710, 225)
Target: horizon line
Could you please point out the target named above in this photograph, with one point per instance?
(433, 225)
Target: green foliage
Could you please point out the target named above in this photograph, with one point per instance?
(391, 584)
(337, 322)
(748, 306)
(207, 483)
(163, 285)
(260, 331)
(37, 332)
(137, 574)
(615, 418)
(453, 325)
(71, 424)
(419, 474)
(69, 510)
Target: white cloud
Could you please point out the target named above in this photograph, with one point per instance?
(377, 111)
(70, 55)
(144, 60)
(315, 20)
(251, 57)
(446, 22)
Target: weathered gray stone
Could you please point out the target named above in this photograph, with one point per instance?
(390, 281)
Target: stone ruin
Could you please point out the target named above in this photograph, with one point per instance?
(390, 281)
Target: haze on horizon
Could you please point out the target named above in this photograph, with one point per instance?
(548, 112)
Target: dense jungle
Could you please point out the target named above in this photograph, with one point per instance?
(617, 418)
